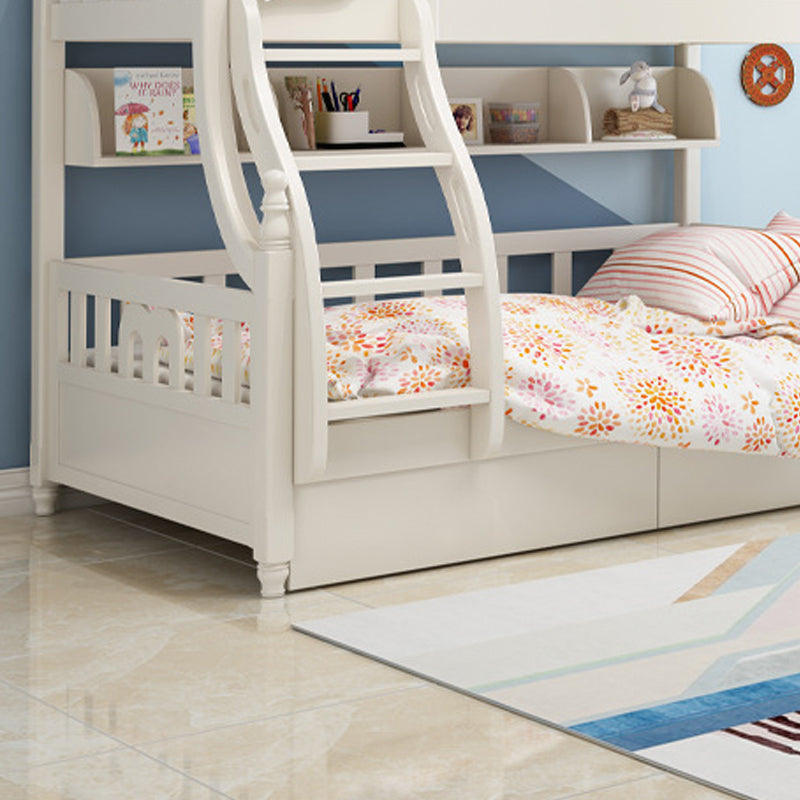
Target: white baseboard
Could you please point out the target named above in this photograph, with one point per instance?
(16, 499)
(15, 493)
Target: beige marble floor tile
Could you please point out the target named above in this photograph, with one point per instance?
(489, 573)
(64, 603)
(61, 605)
(128, 677)
(78, 536)
(202, 582)
(122, 774)
(735, 530)
(152, 633)
(421, 743)
(174, 531)
(13, 791)
(656, 787)
(32, 733)
(427, 584)
(93, 608)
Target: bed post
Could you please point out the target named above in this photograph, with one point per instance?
(687, 176)
(262, 254)
(47, 241)
(271, 390)
(284, 246)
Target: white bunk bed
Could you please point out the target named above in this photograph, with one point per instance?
(327, 492)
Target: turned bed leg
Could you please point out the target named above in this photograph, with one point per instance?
(273, 579)
(44, 499)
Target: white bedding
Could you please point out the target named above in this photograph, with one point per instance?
(578, 366)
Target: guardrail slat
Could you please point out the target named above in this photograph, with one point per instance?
(405, 403)
(405, 283)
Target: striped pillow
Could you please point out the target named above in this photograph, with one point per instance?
(784, 223)
(788, 306)
(713, 273)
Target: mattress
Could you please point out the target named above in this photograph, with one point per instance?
(584, 367)
(620, 372)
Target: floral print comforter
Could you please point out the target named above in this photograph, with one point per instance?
(583, 367)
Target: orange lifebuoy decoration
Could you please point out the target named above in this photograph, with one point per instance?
(767, 74)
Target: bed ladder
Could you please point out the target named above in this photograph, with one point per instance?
(445, 151)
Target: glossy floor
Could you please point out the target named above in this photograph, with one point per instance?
(137, 661)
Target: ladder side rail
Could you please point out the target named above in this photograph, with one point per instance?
(471, 222)
(267, 141)
(227, 189)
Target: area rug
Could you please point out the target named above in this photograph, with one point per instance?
(690, 661)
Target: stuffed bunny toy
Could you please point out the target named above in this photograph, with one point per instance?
(645, 93)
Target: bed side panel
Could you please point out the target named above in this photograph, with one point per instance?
(164, 452)
(378, 524)
(698, 485)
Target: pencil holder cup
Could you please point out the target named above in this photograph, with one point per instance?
(341, 127)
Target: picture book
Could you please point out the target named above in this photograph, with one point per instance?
(148, 111)
(191, 140)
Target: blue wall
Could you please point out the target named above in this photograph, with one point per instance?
(522, 193)
(15, 253)
(755, 172)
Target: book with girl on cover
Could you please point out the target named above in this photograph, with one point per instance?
(148, 111)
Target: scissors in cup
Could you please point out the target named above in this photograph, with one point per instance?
(350, 100)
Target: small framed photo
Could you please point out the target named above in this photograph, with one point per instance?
(468, 115)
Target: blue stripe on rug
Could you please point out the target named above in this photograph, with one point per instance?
(650, 727)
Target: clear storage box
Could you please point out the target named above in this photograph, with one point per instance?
(514, 132)
(513, 112)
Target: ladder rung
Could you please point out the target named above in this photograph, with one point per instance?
(370, 158)
(403, 283)
(340, 55)
(406, 403)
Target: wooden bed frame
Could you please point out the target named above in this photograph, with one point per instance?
(332, 492)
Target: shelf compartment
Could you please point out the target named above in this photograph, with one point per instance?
(573, 101)
(89, 127)
(685, 92)
(564, 105)
(89, 124)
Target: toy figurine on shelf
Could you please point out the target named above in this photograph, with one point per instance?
(645, 91)
(645, 118)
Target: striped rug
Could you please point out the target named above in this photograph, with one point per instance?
(690, 661)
